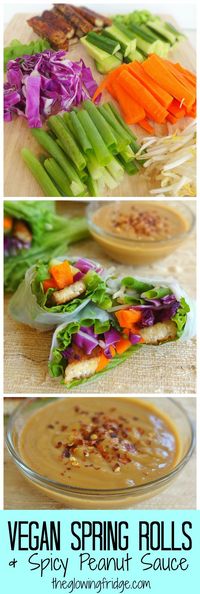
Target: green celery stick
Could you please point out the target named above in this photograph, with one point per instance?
(116, 123)
(58, 175)
(39, 173)
(92, 187)
(95, 170)
(109, 180)
(71, 148)
(131, 167)
(120, 120)
(80, 133)
(128, 154)
(55, 151)
(122, 142)
(103, 155)
(102, 125)
(116, 170)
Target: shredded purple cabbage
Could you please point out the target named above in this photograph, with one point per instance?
(167, 312)
(134, 338)
(148, 318)
(85, 265)
(111, 337)
(78, 276)
(12, 245)
(45, 83)
(107, 353)
(85, 342)
(68, 352)
(168, 299)
(89, 330)
(164, 309)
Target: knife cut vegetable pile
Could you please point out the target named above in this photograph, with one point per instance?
(87, 141)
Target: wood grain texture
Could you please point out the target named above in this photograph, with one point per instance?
(170, 368)
(181, 494)
(17, 134)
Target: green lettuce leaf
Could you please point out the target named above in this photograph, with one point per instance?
(181, 317)
(136, 285)
(51, 236)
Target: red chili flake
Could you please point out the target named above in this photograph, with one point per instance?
(77, 409)
(141, 431)
(58, 445)
(63, 427)
(124, 433)
(95, 419)
(50, 426)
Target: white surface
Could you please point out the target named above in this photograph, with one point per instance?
(184, 13)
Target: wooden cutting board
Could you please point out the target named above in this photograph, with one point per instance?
(18, 181)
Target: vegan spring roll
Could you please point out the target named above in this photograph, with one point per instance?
(156, 310)
(142, 313)
(88, 347)
(33, 231)
(55, 292)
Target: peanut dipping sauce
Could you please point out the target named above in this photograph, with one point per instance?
(104, 443)
(139, 232)
(141, 221)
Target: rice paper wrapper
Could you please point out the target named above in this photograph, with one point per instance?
(24, 308)
(171, 283)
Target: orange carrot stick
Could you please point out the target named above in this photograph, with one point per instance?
(132, 111)
(159, 71)
(176, 110)
(134, 88)
(181, 78)
(172, 119)
(147, 126)
(160, 94)
(187, 73)
(100, 89)
(103, 85)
